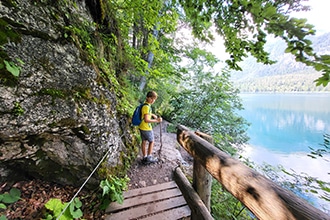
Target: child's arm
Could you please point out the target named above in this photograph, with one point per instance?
(152, 118)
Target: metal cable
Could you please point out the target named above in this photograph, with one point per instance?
(106, 154)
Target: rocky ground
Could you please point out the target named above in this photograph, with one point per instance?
(35, 193)
(170, 155)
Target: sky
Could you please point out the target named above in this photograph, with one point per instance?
(319, 15)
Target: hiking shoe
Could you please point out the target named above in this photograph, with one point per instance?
(151, 159)
(145, 160)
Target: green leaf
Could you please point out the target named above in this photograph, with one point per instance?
(11, 197)
(325, 198)
(105, 187)
(269, 11)
(49, 217)
(20, 61)
(66, 215)
(14, 192)
(106, 190)
(77, 203)
(74, 208)
(318, 67)
(326, 189)
(55, 205)
(313, 191)
(2, 217)
(325, 59)
(76, 214)
(12, 68)
(2, 206)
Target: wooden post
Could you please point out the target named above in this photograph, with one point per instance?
(202, 179)
(196, 205)
(265, 199)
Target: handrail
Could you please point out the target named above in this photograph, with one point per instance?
(198, 209)
(265, 199)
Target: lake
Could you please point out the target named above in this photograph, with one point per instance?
(284, 126)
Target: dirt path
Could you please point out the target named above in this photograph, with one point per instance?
(172, 155)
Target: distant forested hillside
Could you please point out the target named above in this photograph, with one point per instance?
(286, 75)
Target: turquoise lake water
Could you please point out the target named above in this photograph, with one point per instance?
(287, 122)
(284, 126)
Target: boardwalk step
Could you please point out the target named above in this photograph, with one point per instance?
(150, 189)
(162, 201)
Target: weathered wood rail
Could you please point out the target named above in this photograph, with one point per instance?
(199, 211)
(265, 199)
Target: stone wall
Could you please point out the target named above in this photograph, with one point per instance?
(56, 120)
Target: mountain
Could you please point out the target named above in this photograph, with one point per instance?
(286, 75)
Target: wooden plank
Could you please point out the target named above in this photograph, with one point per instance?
(264, 198)
(142, 199)
(149, 209)
(150, 189)
(172, 214)
(198, 209)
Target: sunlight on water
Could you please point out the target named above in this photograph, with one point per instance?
(298, 162)
(284, 127)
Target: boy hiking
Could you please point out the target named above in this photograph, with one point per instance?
(145, 128)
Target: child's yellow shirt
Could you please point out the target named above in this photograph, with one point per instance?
(146, 109)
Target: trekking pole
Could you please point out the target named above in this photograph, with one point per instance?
(161, 142)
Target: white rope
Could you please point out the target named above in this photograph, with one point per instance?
(84, 182)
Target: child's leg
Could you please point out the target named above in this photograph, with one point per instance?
(150, 148)
(147, 136)
(143, 148)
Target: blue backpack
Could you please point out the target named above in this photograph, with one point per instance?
(137, 115)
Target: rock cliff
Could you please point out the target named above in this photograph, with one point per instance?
(57, 118)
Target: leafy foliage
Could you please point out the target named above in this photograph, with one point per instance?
(12, 68)
(300, 184)
(286, 75)
(245, 24)
(8, 198)
(324, 149)
(113, 188)
(7, 33)
(319, 186)
(208, 102)
(226, 206)
(56, 206)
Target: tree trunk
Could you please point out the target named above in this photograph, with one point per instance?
(150, 58)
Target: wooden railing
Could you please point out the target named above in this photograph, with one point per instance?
(265, 199)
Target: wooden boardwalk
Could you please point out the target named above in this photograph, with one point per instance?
(162, 201)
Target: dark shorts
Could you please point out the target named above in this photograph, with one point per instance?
(147, 135)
